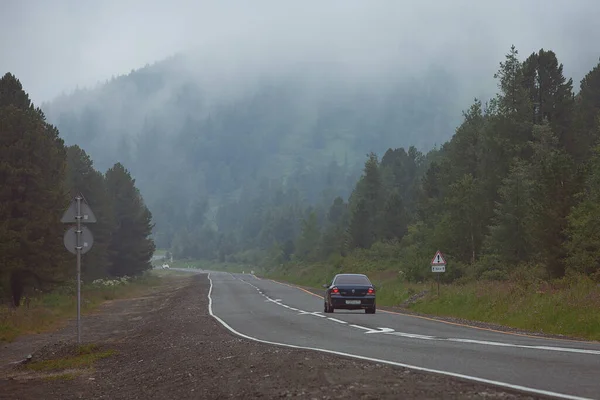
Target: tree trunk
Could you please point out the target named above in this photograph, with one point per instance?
(16, 288)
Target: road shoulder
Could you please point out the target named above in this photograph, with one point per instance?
(168, 346)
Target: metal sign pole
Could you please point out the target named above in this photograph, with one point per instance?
(78, 240)
(78, 246)
(438, 265)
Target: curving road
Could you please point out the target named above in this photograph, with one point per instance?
(277, 313)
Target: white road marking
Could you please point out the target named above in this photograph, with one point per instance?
(523, 346)
(412, 335)
(337, 320)
(397, 364)
(316, 313)
(380, 330)
(427, 337)
(361, 327)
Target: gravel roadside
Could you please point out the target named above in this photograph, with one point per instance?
(168, 347)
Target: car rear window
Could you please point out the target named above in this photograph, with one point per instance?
(352, 280)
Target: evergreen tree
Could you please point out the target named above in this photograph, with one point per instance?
(586, 123)
(394, 221)
(131, 247)
(550, 94)
(365, 204)
(463, 225)
(32, 194)
(83, 179)
(583, 231)
(509, 236)
(513, 97)
(359, 233)
(308, 242)
(555, 183)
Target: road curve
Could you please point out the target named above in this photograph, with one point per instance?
(265, 310)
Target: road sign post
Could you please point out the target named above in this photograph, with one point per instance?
(78, 240)
(438, 265)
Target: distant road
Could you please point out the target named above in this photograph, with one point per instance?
(274, 312)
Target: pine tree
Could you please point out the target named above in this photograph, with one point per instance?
(360, 234)
(308, 242)
(32, 194)
(131, 247)
(583, 231)
(465, 227)
(394, 221)
(83, 179)
(509, 236)
(513, 97)
(586, 124)
(550, 94)
(555, 183)
(365, 204)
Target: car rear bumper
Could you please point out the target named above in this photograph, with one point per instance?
(341, 302)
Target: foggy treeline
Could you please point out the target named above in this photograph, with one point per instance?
(273, 176)
(40, 177)
(188, 146)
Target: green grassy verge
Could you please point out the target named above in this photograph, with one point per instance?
(85, 358)
(570, 306)
(49, 311)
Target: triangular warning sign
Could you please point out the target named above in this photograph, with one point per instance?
(438, 259)
(87, 216)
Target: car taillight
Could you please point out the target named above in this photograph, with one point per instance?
(335, 290)
(370, 291)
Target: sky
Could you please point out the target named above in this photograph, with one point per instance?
(54, 46)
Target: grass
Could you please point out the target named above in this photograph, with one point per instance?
(210, 265)
(67, 376)
(566, 307)
(570, 306)
(391, 289)
(51, 310)
(85, 358)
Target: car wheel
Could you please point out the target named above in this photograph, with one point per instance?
(325, 308)
(370, 310)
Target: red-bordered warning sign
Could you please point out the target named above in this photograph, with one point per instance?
(438, 259)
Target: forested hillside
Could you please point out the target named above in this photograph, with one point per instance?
(190, 144)
(39, 177)
(269, 177)
(517, 185)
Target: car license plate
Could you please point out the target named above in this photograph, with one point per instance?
(352, 301)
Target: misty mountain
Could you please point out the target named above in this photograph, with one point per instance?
(186, 139)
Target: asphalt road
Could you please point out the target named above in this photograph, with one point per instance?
(265, 310)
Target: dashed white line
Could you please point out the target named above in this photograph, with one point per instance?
(337, 320)
(361, 327)
(412, 335)
(388, 362)
(316, 313)
(380, 330)
(389, 331)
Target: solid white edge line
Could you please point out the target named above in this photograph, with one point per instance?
(397, 364)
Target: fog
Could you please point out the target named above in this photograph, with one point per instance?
(54, 47)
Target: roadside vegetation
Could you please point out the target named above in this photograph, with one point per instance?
(512, 202)
(40, 175)
(73, 360)
(567, 306)
(48, 311)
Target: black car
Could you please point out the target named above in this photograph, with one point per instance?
(350, 292)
